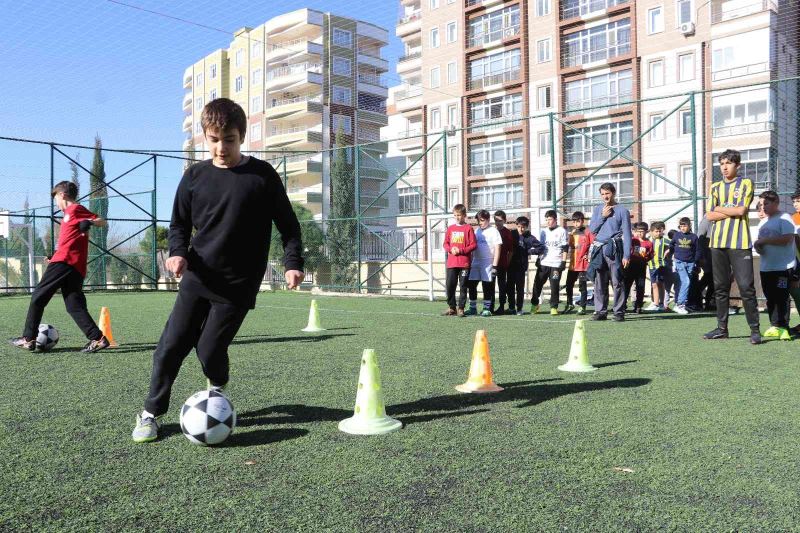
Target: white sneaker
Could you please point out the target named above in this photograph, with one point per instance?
(651, 307)
(681, 310)
(662, 309)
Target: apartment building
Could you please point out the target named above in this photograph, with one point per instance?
(302, 78)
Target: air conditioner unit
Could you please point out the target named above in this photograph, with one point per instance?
(451, 131)
(687, 28)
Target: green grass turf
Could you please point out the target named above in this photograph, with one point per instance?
(709, 428)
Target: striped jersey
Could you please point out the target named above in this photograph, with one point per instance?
(733, 232)
(660, 246)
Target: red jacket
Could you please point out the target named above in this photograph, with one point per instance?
(507, 248)
(73, 246)
(641, 251)
(461, 236)
(579, 244)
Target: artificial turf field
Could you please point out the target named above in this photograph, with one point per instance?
(672, 432)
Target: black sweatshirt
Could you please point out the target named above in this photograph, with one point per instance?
(232, 210)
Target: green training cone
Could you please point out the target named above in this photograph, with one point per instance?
(369, 416)
(578, 356)
(313, 319)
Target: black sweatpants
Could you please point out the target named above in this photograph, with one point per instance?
(488, 292)
(199, 323)
(580, 277)
(61, 276)
(544, 273)
(723, 261)
(776, 289)
(635, 274)
(456, 277)
(502, 287)
(515, 288)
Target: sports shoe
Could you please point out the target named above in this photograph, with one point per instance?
(146, 429)
(471, 312)
(535, 309)
(520, 312)
(581, 310)
(681, 310)
(500, 311)
(486, 312)
(554, 311)
(568, 308)
(716, 333)
(218, 388)
(450, 312)
(785, 335)
(661, 309)
(619, 318)
(755, 337)
(795, 330)
(637, 310)
(597, 316)
(652, 307)
(95, 346)
(773, 332)
(460, 312)
(22, 342)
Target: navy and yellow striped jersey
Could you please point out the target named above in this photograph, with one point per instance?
(733, 232)
(660, 246)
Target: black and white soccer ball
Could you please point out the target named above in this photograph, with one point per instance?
(207, 418)
(47, 337)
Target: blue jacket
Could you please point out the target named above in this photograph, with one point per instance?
(617, 225)
(524, 246)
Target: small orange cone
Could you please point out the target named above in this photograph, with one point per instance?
(480, 370)
(105, 326)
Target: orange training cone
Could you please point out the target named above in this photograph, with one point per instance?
(480, 370)
(105, 326)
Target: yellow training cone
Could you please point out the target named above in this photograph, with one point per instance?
(105, 326)
(369, 416)
(578, 356)
(313, 319)
(481, 378)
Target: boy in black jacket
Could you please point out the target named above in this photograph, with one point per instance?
(525, 244)
(231, 201)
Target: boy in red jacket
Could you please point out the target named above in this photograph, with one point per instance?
(66, 271)
(580, 239)
(459, 242)
(641, 253)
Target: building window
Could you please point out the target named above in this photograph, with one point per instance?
(544, 51)
(542, 8)
(255, 104)
(599, 43)
(602, 90)
(436, 197)
(212, 95)
(494, 69)
(658, 132)
(656, 69)
(198, 128)
(744, 54)
(545, 190)
(239, 83)
(342, 38)
(452, 32)
(686, 67)
(742, 112)
(199, 79)
(239, 57)
(685, 118)
(494, 157)
(436, 119)
(655, 20)
(497, 112)
(685, 11)
(454, 197)
(434, 4)
(452, 156)
(434, 41)
(198, 103)
(213, 71)
(342, 123)
(543, 143)
(452, 115)
(758, 165)
(504, 196)
(494, 26)
(370, 102)
(435, 81)
(687, 177)
(410, 199)
(342, 95)
(452, 72)
(657, 185)
(341, 66)
(255, 49)
(582, 197)
(543, 97)
(256, 77)
(255, 132)
(594, 144)
(436, 158)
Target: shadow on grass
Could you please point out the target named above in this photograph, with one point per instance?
(242, 439)
(615, 363)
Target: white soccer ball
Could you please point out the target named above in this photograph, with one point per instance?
(207, 418)
(47, 337)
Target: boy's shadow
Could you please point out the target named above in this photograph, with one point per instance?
(249, 339)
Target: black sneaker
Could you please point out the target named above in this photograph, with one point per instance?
(597, 316)
(755, 338)
(619, 318)
(717, 333)
(95, 346)
(23, 343)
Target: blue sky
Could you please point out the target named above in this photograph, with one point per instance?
(73, 69)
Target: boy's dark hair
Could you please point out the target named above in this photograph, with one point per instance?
(685, 220)
(461, 209)
(578, 215)
(608, 186)
(772, 196)
(641, 225)
(658, 225)
(69, 189)
(796, 195)
(483, 214)
(671, 233)
(500, 214)
(731, 155)
(523, 221)
(224, 113)
(551, 213)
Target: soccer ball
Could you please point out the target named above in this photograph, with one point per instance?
(47, 337)
(207, 418)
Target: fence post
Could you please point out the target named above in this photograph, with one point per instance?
(444, 167)
(52, 201)
(285, 173)
(428, 229)
(154, 247)
(694, 160)
(357, 161)
(552, 163)
(31, 254)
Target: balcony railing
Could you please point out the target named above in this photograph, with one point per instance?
(593, 156)
(411, 55)
(477, 126)
(601, 54)
(286, 101)
(408, 18)
(743, 129)
(719, 14)
(735, 72)
(480, 38)
(291, 70)
(582, 8)
(372, 79)
(603, 101)
(494, 79)
(296, 129)
(493, 167)
(413, 92)
(284, 45)
(373, 108)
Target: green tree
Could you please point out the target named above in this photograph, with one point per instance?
(98, 204)
(73, 167)
(343, 225)
(146, 244)
(313, 239)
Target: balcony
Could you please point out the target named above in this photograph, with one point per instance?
(593, 156)
(296, 49)
(737, 72)
(495, 167)
(484, 38)
(187, 123)
(376, 62)
(307, 195)
(187, 78)
(294, 77)
(412, 54)
(298, 138)
(372, 79)
(409, 24)
(294, 107)
(719, 13)
(484, 3)
(488, 124)
(411, 140)
(587, 8)
(600, 102)
(497, 78)
(187, 102)
(578, 59)
(743, 129)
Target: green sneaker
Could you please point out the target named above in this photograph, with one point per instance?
(534, 309)
(773, 332)
(785, 335)
(146, 429)
(581, 310)
(554, 311)
(486, 312)
(471, 312)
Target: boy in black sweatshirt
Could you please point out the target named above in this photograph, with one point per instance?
(230, 201)
(525, 244)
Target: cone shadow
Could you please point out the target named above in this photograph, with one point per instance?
(615, 363)
(261, 437)
(291, 414)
